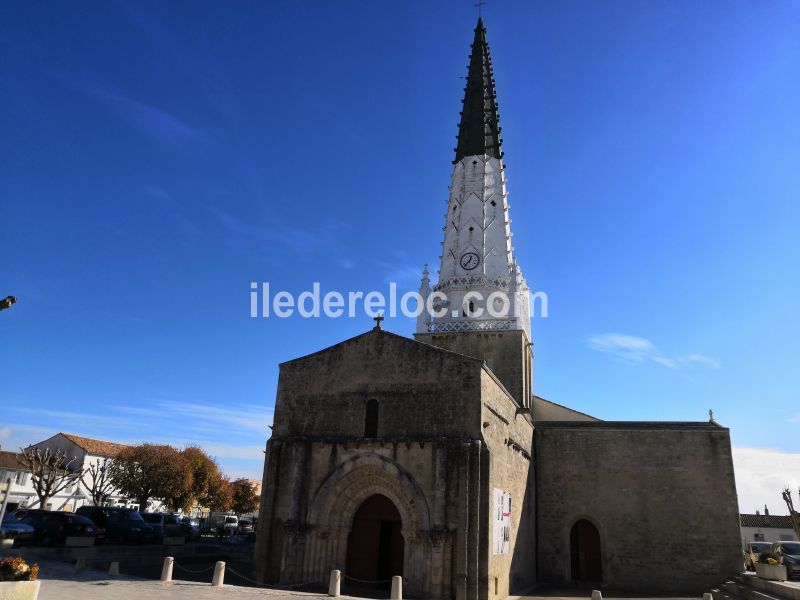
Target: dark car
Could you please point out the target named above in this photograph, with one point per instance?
(123, 525)
(790, 553)
(164, 525)
(190, 528)
(52, 528)
(14, 529)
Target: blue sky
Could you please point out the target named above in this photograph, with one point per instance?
(156, 160)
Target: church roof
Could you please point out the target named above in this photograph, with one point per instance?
(642, 425)
(479, 130)
(383, 332)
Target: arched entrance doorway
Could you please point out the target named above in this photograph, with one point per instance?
(584, 547)
(375, 545)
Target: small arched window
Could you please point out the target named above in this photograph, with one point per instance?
(371, 419)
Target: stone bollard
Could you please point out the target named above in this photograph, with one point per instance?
(397, 588)
(596, 595)
(335, 585)
(80, 563)
(113, 569)
(219, 574)
(166, 570)
(708, 596)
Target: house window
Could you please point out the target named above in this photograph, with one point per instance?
(758, 537)
(21, 478)
(371, 419)
(787, 537)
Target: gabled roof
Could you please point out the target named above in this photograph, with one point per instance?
(383, 332)
(774, 521)
(8, 460)
(95, 447)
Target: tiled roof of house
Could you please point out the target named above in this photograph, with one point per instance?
(8, 460)
(96, 447)
(775, 521)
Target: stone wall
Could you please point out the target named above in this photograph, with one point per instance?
(421, 390)
(428, 457)
(507, 434)
(507, 354)
(661, 495)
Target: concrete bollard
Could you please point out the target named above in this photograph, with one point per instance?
(708, 596)
(335, 585)
(113, 569)
(80, 563)
(397, 588)
(596, 595)
(166, 570)
(219, 574)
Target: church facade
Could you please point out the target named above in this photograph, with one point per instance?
(431, 457)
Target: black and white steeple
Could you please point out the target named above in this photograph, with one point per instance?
(477, 255)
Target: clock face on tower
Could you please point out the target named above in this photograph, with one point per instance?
(469, 260)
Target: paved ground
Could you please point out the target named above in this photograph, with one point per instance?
(61, 582)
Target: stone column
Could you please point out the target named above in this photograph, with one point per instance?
(269, 490)
(473, 530)
(293, 564)
(462, 533)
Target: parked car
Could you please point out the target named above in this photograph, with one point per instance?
(52, 528)
(222, 524)
(790, 555)
(245, 526)
(163, 524)
(123, 525)
(751, 552)
(13, 529)
(191, 528)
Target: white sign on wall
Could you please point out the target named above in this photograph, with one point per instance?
(501, 522)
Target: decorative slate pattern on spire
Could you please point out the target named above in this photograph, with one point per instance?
(479, 131)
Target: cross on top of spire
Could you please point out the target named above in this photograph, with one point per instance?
(479, 130)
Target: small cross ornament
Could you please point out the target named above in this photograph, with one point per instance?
(378, 320)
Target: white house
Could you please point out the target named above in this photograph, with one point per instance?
(766, 528)
(86, 451)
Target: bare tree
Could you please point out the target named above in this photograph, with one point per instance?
(96, 478)
(793, 514)
(51, 470)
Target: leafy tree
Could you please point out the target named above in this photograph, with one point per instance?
(245, 499)
(149, 471)
(205, 479)
(51, 470)
(220, 496)
(793, 514)
(96, 478)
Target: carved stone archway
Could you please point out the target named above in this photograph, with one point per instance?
(335, 504)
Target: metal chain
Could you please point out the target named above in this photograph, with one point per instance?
(264, 585)
(365, 581)
(175, 563)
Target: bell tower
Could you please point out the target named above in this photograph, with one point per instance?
(482, 301)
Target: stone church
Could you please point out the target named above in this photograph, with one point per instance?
(431, 457)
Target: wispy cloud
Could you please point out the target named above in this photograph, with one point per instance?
(152, 121)
(178, 423)
(637, 349)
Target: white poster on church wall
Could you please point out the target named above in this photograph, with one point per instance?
(501, 522)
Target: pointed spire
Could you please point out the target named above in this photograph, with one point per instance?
(479, 131)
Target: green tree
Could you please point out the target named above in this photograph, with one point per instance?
(245, 499)
(148, 471)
